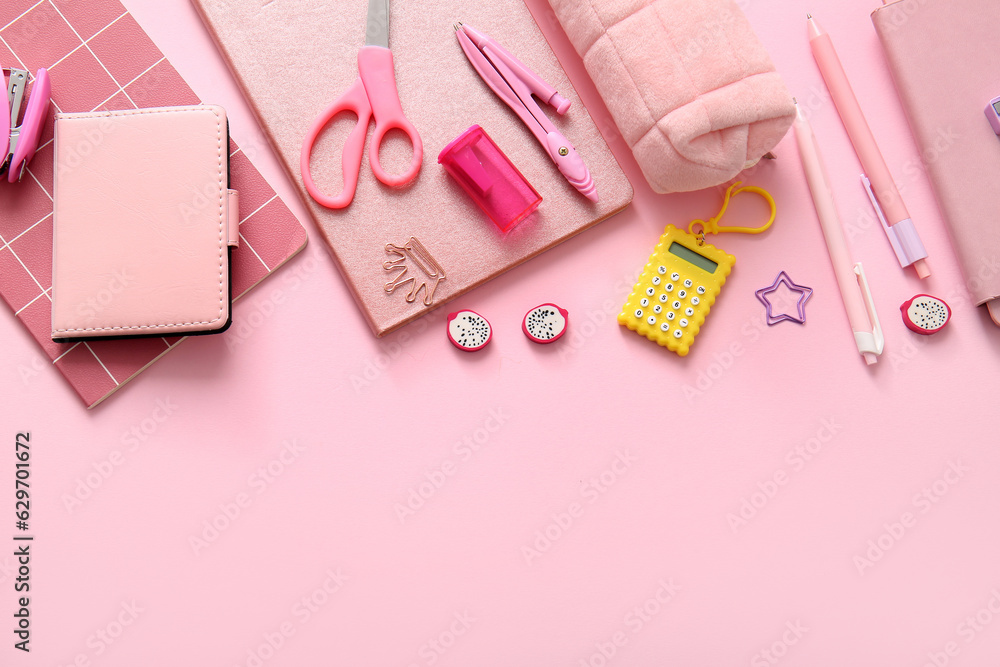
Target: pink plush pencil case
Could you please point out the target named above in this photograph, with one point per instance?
(689, 84)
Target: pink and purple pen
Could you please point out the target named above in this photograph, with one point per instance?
(514, 83)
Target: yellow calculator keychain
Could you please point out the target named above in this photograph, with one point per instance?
(682, 279)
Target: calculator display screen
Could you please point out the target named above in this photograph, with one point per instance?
(689, 255)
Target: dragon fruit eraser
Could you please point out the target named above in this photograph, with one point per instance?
(468, 330)
(545, 323)
(925, 314)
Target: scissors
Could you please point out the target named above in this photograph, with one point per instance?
(373, 93)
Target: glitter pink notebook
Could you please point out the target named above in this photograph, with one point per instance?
(100, 59)
(431, 231)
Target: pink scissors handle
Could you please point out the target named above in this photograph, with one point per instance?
(373, 93)
(354, 100)
(378, 73)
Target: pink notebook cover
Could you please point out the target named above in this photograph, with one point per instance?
(942, 54)
(295, 57)
(99, 58)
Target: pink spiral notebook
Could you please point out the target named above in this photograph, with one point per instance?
(100, 59)
(431, 230)
(942, 56)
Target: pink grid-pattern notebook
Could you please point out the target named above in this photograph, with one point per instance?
(99, 58)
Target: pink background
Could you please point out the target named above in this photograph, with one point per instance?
(619, 464)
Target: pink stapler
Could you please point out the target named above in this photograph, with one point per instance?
(21, 140)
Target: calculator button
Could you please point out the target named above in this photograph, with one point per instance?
(695, 300)
(681, 294)
(689, 311)
(663, 298)
(650, 291)
(675, 276)
(677, 333)
(664, 327)
(644, 302)
(701, 290)
(638, 314)
(662, 270)
(671, 315)
(657, 309)
(669, 287)
(688, 283)
(657, 280)
(676, 305)
(683, 322)
(651, 319)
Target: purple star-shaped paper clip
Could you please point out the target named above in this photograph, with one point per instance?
(803, 292)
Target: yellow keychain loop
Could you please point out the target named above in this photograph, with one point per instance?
(712, 225)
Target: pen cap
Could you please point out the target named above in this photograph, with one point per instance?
(490, 178)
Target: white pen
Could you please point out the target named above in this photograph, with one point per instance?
(850, 276)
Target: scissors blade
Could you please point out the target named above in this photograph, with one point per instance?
(377, 32)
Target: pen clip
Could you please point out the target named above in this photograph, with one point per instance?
(902, 236)
(873, 342)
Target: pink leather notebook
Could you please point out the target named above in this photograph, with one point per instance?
(942, 56)
(143, 224)
(99, 58)
(293, 58)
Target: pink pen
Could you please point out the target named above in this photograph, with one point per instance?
(514, 83)
(851, 278)
(881, 189)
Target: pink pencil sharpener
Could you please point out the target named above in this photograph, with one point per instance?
(490, 178)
